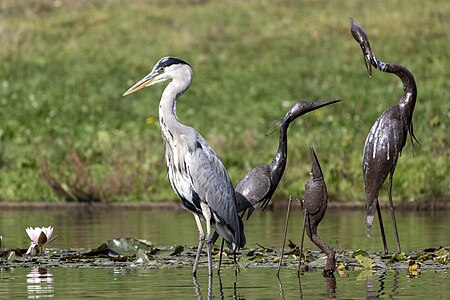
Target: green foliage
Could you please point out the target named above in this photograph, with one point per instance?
(65, 65)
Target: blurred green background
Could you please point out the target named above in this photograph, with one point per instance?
(65, 65)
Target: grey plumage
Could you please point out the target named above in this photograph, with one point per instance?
(195, 172)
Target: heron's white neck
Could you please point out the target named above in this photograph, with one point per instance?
(181, 80)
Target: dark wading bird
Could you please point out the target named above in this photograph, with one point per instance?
(388, 135)
(314, 206)
(258, 186)
(195, 172)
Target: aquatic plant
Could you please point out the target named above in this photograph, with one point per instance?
(40, 236)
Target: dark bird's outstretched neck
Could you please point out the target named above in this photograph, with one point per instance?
(279, 161)
(408, 100)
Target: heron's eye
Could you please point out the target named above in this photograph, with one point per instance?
(160, 70)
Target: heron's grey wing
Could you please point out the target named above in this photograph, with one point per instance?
(381, 150)
(213, 185)
(254, 186)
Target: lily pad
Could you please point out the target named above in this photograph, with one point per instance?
(365, 261)
(128, 246)
(398, 257)
(442, 256)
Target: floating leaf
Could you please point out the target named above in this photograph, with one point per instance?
(128, 246)
(177, 249)
(318, 263)
(421, 256)
(398, 257)
(365, 261)
(11, 256)
(442, 256)
(141, 257)
(360, 252)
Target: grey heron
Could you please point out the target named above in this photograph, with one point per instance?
(195, 172)
(387, 137)
(314, 205)
(259, 184)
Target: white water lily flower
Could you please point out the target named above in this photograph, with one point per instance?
(39, 236)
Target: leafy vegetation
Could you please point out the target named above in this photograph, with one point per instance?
(65, 65)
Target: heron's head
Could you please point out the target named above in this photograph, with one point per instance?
(300, 108)
(166, 68)
(304, 106)
(360, 36)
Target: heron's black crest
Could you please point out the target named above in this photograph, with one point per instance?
(168, 61)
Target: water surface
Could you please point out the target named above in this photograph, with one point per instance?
(344, 229)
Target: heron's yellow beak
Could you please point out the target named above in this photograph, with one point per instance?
(144, 82)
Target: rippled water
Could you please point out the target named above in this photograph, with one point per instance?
(81, 228)
(128, 283)
(344, 229)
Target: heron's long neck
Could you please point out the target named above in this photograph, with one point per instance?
(168, 119)
(408, 100)
(279, 161)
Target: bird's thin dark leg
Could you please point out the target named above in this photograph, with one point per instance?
(383, 235)
(201, 240)
(236, 266)
(301, 243)
(220, 256)
(285, 233)
(391, 205)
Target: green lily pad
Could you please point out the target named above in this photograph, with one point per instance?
(442, 256)
(141, 257)
(128, 246)
(360, 252)
(365, 261)
(398, 257)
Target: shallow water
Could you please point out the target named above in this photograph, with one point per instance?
(81, 228)
(128, 283)
(343, 229)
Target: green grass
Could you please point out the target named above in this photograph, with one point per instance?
(65, 65)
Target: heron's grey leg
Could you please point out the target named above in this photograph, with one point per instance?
(391, 205)
(383, 235)
(201, 240)
(285, 233)
(213, 241)
(207, 214)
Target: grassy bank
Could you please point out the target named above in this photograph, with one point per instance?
(65, 65)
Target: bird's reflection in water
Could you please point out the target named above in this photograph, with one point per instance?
(210, 287)
(280, 286)
(372, 293)
(40, 284)
(330, 281)
(331, 286)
